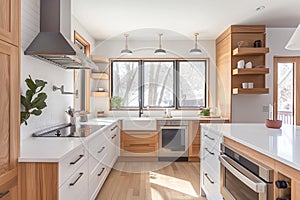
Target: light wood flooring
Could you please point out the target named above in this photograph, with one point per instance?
(152, 181)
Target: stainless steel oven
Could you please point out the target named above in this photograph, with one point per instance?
(243, 178)
(173, 140)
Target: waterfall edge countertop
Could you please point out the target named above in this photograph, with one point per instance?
(282, 144)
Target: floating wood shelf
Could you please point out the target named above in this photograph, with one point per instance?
(246, 51)
(250, 90)
(99, 59)
(99, 94)
(100, 76)
(252, 71)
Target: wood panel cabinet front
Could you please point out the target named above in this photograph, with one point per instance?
(9, 118)
(141, 143)
(9, 21)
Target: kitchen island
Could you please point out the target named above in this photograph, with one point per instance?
(278, 149)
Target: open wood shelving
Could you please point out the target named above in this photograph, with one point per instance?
(252, 71)
(249, 51)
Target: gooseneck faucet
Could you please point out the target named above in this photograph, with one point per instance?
(140, 108)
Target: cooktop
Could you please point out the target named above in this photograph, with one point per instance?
(68, 130)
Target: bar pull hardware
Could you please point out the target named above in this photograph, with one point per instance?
(114, 128)
(211, 153)
(209, 137)
(74, 162)
(113, 136)
(209, 179)
(3, 194)
(101, 171)
(101, 149)
(80, 175)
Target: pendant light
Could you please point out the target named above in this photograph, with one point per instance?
(126, 51)
(196, 50)
(294, 42)
(160, 50)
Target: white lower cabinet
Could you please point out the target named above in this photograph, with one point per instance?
(76, 186)
(210, 165)
(84, 171)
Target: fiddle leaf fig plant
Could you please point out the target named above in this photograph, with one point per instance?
(34, 101)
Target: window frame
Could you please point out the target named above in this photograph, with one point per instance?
(175, 82)
(206, 100)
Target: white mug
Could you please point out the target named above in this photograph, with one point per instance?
(248, 65)
(244, 85)
(241, 64)
(250, 85)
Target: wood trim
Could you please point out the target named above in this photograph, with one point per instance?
(87, 45)
(39, 181)
(296, 61)
(156, 59)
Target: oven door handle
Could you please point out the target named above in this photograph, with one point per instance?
(243, 174)
(173, 127)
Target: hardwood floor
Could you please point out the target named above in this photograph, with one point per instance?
(152, 181)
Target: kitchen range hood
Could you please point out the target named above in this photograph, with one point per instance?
(53, 43)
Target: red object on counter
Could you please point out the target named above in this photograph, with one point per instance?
(273, 123)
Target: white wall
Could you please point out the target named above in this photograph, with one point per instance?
(145, 49)
(249, 108)
(56, 103)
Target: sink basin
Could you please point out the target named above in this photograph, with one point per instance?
(139, 124)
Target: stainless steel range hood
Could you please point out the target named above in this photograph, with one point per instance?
(53, 43)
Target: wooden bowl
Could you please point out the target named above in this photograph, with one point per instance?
(273, 123)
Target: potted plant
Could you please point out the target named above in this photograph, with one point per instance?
(115, 102)
(205, 112)
(34, 101)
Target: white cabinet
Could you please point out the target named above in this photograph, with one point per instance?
(103, 153)
(210, 165)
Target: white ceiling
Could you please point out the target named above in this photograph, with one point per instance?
(105, 19)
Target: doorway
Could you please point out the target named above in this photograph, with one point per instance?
(285, 93)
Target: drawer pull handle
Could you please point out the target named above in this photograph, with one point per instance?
(3, 194)
(209, 179)
(209, 137)
(211, 153)
(74, 162)
(101, 171)
(80, 175)
(113, 136)
(101, 149)
(114, 128)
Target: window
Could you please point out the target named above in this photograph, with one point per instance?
(125, 83)
(192, 84)
(158, 84)
(179, 84)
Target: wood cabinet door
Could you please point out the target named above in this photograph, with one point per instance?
(194, 141)
(9, 21)
(9, 108)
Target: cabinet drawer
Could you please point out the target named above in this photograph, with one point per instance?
(9, 194)
(212, 139)
(96, 180)
(211, 183)
(76, 187)
(139, 138)
(209, 156)
(71, 163)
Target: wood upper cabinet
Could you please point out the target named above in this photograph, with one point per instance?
(9, 21)
(9, 118)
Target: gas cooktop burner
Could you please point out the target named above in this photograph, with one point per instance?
(68, 130)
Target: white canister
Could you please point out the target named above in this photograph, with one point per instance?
(250, 85)
(241, 64)
(248, 65)
(244, 85)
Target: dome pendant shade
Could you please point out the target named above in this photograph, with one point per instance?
(126, 51)
(196, 50)
(160, 50)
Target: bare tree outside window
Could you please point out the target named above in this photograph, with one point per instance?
(125, 83)
(158, 84)
(192, 84)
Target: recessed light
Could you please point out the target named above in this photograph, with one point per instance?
(260, 8)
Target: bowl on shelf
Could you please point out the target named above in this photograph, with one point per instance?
(273, 123)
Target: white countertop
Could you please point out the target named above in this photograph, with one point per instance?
(188, 118)
(282, 144)
(53, 149)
